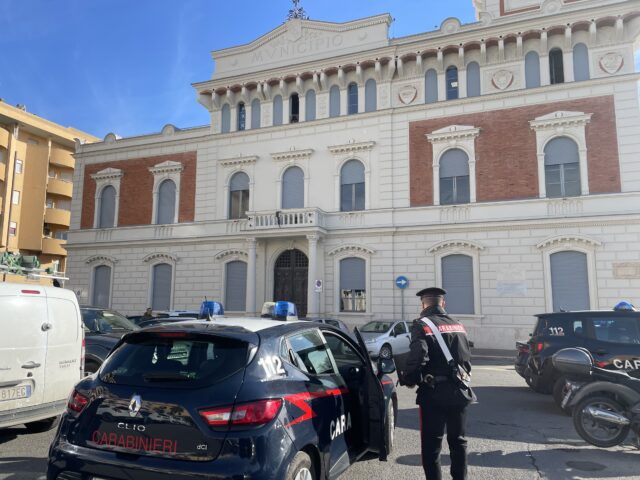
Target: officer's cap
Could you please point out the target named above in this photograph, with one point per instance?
(431, 292)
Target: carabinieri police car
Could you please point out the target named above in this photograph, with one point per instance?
(228, 399)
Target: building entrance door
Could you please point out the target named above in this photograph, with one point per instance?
(290, 279)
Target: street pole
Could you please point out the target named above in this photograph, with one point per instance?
(402, 305)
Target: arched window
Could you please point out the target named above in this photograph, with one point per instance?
(235, 286)
(255, 113)
(569, 281)
(293, 188)
(353, 285)
(556, 66)
(532, 69)
(161, 283)
(370, 96)
(473, 80)
(352, 94)
(562, 168)
(431, 86)
(277, 110)
(334, 101)
(580, 62)
(101, 296)
(352, 186)
(107, 215)
(239, 196)
(294, 108)
(166, 206)
(457, 280)
(452, 82)
(454, 177)
(225, 124)
(310, 106)
(242, 117)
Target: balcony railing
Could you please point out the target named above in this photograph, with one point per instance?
(294, 218)
(59, 187)
(53, 246)
(57, 216)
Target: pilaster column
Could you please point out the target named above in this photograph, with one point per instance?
(251, 276)
(568, 55)
(442, 85)
(542, 186)
(361, 98)
(286, 110)
(584, 172)
(302, 105)
(436, 185)
(344, 101)
(247, 115)
(234, 118)
(312, 296)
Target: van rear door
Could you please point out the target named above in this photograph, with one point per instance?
(23, 346)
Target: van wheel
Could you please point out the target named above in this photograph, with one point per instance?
(90, 368)
(42, 426)
(385, 352)
(301, 468)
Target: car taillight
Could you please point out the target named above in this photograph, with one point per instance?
(537, 347)
(77, 402)
(247, 414)
(601, 364)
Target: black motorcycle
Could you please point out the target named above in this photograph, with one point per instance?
(605, 403)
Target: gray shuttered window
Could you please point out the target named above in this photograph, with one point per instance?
(532, 69)
(225, 124)
(473, 80)
(580, 62)
(255, 113)
(431, 86)
(107, 213)
(353, 285)
(569, 281)
(334, 101)
(454, 177)
(310, 106)
(166, 213)
(161, 286)
(370, 96)
(457, 280)
(101, 286)
(293, 188)
(238, 195)
(277, 110)
(562, 168)
(352, 186)
(236, 286)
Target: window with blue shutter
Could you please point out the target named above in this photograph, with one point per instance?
(239, 196)
(473, 80)
(532, 69)
(569, 281)
(161, 286)
(431, 86)
(580, 62)
(457, 280)
(277, 110)
(166, 207)
(235, 286)
(352, 98)
(353, 285)
(452, 82)
(370, 96)
(107, 212)
(255, 114)
(101, 287)
(310, 106)
(225, 124)
(293, 188)
(242, 117)
(454, 177)
(334, 101)
(352, 186)
(562, 168)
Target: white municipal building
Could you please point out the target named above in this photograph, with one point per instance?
(498, 159)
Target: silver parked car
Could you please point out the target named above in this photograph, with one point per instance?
(386, 338)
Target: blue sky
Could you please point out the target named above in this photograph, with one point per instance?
(127, 65)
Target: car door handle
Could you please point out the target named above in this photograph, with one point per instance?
(30, 365)
(46, 326)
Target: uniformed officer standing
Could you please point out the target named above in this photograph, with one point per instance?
(441, 400)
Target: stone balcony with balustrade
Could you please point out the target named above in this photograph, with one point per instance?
(285, 219)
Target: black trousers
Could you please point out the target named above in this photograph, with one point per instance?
(434, 419)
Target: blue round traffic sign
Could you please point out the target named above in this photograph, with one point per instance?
(402, 282)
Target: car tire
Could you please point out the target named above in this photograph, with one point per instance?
(581, 419)
(534, 383)
(558, 393)
(386, 352)
(91, 367)
(42, 426)
(301, 468)
(390, 427)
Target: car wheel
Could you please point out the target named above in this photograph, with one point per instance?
(386, 352)
(559, 390)
(42, 426)
(391, 426)
(301, 468)
(90, 367)
(535, 384)
(597, 432)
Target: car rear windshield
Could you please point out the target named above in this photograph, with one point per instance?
(174, 360)
(376, 327)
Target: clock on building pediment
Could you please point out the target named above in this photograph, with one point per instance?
(300, 40)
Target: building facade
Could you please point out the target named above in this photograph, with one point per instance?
(498, 159)
(36, 185)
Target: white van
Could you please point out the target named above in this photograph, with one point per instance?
(41, 349)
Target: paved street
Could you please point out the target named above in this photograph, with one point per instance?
(514, 434)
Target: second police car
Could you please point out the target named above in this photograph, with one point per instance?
(230, 398)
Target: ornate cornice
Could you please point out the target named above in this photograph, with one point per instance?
(160, 256)
(237, 161)
(352, 248)
(108, 174)
(570, 240)
(167, 167)
(351, 148)
(101, 259)
(292, 155)
(560, 119)
(231, 253)
(461, 244)
(453, 132)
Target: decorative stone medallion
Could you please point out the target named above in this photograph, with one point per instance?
(408, 94)
(611, 62)
(502, 79)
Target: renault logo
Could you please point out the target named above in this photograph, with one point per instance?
(134, 405)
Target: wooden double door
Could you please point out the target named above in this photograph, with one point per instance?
(290, 279)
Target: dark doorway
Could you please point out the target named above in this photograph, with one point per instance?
(290, 279)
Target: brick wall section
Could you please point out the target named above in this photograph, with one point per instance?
(506, 161)
(136, 189)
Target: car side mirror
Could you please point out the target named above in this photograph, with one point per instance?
(386, 366)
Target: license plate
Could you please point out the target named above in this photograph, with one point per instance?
(14, 393)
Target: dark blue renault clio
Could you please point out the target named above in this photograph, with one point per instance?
(228, 399)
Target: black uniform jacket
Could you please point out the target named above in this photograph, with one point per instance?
(425, 356)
